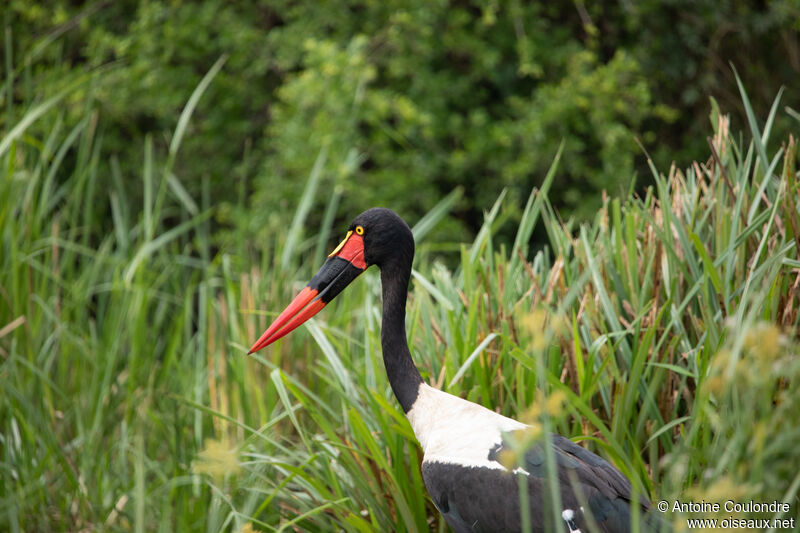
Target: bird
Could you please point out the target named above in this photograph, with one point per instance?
(463, 442)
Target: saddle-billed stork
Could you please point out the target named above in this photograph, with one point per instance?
(462, 441)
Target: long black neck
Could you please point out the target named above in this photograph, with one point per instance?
(403, 374)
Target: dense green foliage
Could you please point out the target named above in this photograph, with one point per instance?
(408, 100)
(663, 335)
(144, 144)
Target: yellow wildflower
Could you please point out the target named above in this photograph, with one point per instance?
(218, 459)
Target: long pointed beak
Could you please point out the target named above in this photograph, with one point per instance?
(342, 267)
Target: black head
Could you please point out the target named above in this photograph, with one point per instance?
(376, 237)
(387, 238)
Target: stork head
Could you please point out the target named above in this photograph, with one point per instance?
(387, 237)
(377, 236)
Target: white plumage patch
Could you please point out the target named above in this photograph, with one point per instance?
(454, 431)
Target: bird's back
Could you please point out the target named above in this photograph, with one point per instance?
(463, 445)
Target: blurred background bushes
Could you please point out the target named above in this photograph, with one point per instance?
(404, 101)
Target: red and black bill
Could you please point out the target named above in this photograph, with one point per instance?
(344, 265)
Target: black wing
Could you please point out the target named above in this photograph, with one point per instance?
(485, 499)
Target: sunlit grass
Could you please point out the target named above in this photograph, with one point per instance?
(662, 336)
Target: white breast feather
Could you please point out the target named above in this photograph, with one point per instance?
(454, 431)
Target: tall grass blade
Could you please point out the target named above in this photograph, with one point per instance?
(159, 242)
(436, 214)
(35, 114)
(188, 110)
(533, 207)
(303, 208)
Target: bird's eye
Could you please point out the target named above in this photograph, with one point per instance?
(359, 230)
